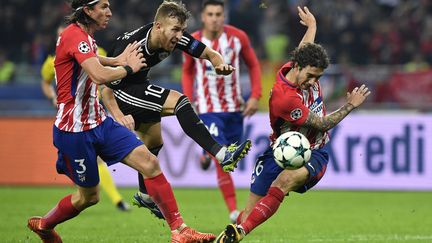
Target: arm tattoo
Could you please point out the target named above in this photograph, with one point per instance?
(328, 122)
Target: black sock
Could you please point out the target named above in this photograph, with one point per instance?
(194, 127)
(142, 187)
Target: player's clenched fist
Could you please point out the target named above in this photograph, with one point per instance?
(224, 69)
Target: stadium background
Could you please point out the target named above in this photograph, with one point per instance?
(386, 44)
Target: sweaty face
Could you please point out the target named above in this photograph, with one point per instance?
(171, 31)
(213, 18)
(308, 76)
(101, 13)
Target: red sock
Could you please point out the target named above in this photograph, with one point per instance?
(238, 220)
(63, 211)
(226, 186)
(263, 209)
(161, 193)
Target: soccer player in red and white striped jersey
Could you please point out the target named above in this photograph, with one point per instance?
(296, 104)
(82, 131)
(217, 98)
(291, 104)
(78, 105)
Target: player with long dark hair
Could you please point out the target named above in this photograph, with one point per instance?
(82, 131)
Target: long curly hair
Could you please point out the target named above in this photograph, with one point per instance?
(310, 54)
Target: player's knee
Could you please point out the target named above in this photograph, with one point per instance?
(288, 181)
(89, 199)
(149, 165)
(175, 95)
(172, 102)
(153, 163)
(92, 200)
(283, 184)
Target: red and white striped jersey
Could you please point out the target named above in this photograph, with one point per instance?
(290, 107)
(77, 100)
(217, 93)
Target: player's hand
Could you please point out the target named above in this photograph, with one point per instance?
(251, 107)
(122, 58)
(127, 121)
(134, 56)
(224, 69)
(306, 17)
(358, 95)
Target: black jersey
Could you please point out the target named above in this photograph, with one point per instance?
(187, 44)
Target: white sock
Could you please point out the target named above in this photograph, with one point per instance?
(220, 156)
(233, 216)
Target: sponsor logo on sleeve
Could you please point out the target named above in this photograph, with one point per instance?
(193, 46)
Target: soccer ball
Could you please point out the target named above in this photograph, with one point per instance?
(291, 150)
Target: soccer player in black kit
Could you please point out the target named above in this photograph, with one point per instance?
(138, 104)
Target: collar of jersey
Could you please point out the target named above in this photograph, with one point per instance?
(282, 77)
(146, 41)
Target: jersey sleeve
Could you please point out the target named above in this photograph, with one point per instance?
(78, 46)
(249, 57)
(290, 108)
(47, 70)
(187, 75)
(190, 45)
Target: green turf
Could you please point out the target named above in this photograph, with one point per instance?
(317, 216)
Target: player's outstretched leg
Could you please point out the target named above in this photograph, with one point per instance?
(195, 129)
(140, 201)
(47, 235)
(231, 234)
(187, 234)
(233, 154)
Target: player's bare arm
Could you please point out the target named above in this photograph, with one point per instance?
(102, 74)
(112, 106)
(354, 99)
(328, 122)
(217, 61)
(307, 19)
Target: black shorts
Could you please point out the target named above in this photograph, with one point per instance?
(143, 101)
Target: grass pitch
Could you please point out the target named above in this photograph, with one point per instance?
(317, 216)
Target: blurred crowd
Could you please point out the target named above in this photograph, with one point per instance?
(359, 32)
(354, 32)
